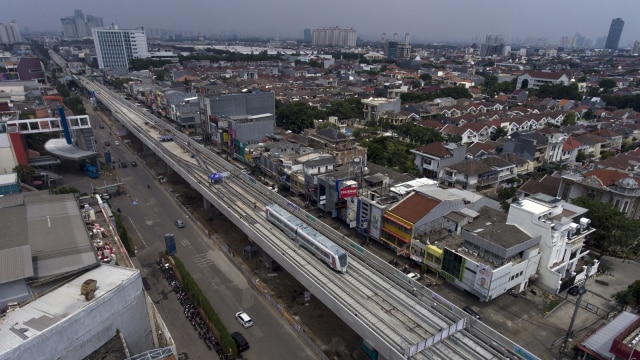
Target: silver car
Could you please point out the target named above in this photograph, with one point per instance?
(244, 319)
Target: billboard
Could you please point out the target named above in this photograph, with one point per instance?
(170, 244)
(375, 223)
(347, 192)
(483, 279)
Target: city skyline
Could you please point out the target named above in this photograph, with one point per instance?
(433, 21)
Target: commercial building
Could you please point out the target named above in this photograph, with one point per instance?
(10, 33)
(493, 46)
(615, 32)
(334, 36)
(234, 121)
(64, 299)
(116, 48)
(77, 27)
(69, 324)
(307, 36)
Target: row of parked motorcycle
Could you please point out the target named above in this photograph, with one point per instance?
(191, 312)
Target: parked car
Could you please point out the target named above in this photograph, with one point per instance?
(134, 164)
(105, 196)
(107, 143)
(574, 290)
(101, 126)
(179, 224)
(244, 319)
(123, 164)
(241, 343)
(472, 312)
(116, 142)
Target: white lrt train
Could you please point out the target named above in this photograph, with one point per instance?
(323, 248)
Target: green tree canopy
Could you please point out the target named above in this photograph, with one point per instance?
(615, 232)
(25, 172)
(349, 108)
(629, 297)
(607, 83)
(297, 116)
(569, 119)
(559, 91)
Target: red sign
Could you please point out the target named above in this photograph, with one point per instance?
(347, 192)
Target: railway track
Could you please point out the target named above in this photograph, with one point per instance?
(378, 297)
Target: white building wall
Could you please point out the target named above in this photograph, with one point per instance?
(75, 337)
(7, 157)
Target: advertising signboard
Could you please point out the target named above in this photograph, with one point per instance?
(483, 279)
(170, 244)
(376, 220)
(347, 192)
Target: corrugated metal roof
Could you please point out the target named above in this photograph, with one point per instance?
(57, 234)
(15, 264)
(601, 341)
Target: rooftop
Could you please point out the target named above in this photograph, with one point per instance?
(41, 314)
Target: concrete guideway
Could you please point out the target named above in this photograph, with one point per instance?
(382, 319)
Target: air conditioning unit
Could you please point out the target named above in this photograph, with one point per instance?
(573, 227)
(584, 223)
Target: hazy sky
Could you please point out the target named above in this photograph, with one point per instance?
(425, 20)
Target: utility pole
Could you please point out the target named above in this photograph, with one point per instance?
(581, 292)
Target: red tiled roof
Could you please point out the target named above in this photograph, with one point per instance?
(414, 207)
(545, 75)
(571, 144)
(607, 177)
(436, 149)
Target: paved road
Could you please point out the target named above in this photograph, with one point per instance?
(148, 215)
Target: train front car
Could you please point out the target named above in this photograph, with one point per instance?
(319, 245)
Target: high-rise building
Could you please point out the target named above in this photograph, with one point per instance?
(116, 48)
(307, 36)
(76, 27)
(636, 47)
(334, 36)
(493, 45)
(10, 33)
(615, 32)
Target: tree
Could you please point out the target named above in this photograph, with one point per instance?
(25, 173)
(426, 78)
(581, 156)
(500, 132)
(569, 119)
(615, 232)
(588, 115)
(607, 84)
(297, 116)
(629, 296)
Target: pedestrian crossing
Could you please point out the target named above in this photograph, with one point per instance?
(203, 260)
(185, 243)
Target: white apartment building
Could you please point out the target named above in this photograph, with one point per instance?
(116, 48)
(334, 36)
(562, 229)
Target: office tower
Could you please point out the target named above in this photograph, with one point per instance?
(334, 36)
(493, 45)
(10, 33)
(77, 27)
(636, 47)
(307, 36)
(615, 32)
(116, 48)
